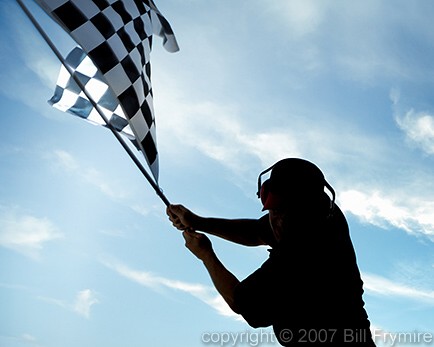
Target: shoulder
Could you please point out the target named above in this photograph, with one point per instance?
(265, 232)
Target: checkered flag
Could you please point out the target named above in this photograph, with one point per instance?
(69, 97)
(117, 38)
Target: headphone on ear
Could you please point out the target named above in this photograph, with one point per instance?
(258, 193)
(262, 188)
(332, 200)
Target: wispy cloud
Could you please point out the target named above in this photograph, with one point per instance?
(361, 37)
(419, 129)
(82, 304)
(378, 285)
(235, 143)
(119, 192)
(84, 300)
(373, 284)
(230, 134)
(23, 339)
(224, 130)
(418, 126)
(90, 175)
(28, 78)
(406, 201)
(302, 17)
(204, 293)
(25, 233)
(415, 216)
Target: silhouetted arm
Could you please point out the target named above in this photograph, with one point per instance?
(242, 231)
(224, 281)
(246, 232)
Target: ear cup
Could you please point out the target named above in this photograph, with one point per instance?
(265, 191)
(258, 193)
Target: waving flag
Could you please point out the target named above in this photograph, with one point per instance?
(69, 97)
(117, 38)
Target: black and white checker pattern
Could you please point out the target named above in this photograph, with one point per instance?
(117, 36)
(69, 97)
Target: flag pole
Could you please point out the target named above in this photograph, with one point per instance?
(94, 104)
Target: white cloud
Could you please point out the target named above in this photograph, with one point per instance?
(85, 299)
(419, 129)
(302, 17)
(222, 137)
(82, 304)
(229, 133)
(373, 284)
(374, 208)
(233, 141)
(355, 40)
(29, 338)
(31, 75)
(90, 175)
(25, 233)
(204, 293)
(21, 340)
(142, 209)
(118, 191)
(66, 160)
(415, 216)
(378, 285)
(227, 139)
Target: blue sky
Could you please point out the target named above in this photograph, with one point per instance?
(88, 256)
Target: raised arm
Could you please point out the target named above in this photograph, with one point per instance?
(242, 231)
(224, 281)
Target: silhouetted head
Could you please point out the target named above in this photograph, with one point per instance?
(292, 180)
(295, 190)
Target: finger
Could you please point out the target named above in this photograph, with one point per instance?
(175, 209)
(187, 236)
(171, 214)
(192, 234)
(179, 226)
(170, 209)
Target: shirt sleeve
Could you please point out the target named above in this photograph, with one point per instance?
(254, 299)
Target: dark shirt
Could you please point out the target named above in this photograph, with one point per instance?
(309, 289)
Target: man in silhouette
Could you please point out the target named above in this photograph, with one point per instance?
(309, 289)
